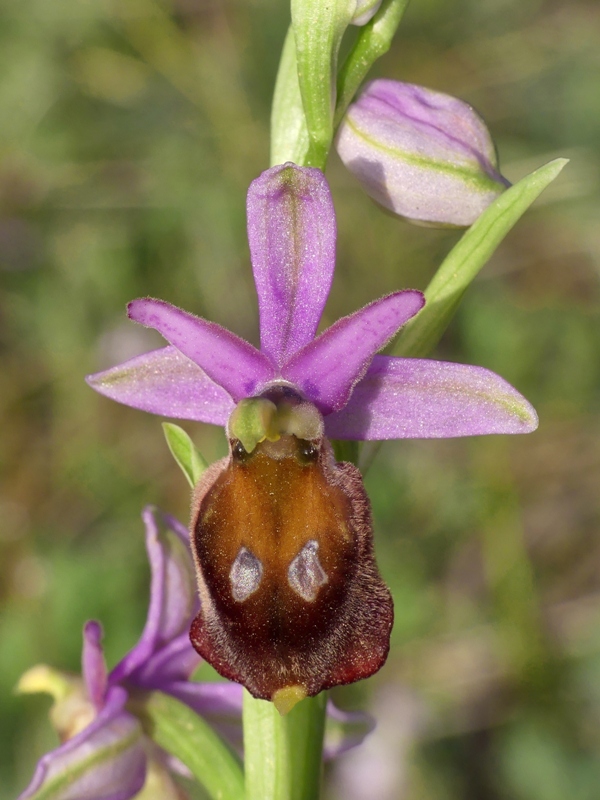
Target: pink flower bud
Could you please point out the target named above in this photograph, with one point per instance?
(424, 155)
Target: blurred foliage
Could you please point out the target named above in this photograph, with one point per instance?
(130, 132)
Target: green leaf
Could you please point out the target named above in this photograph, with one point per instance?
(420, 335)
(184, 734)
(184, 452)
(373, 40)
(283, 754)
(318, 29)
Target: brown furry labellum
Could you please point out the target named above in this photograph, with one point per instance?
(291, 598)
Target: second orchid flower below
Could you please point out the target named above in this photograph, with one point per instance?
(291, 599)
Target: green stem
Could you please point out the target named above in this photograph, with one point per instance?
(283, 754)
(290, 140)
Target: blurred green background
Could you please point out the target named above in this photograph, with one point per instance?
(129, 134)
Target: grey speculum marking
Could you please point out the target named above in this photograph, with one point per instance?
(305, 573)
(245, 575)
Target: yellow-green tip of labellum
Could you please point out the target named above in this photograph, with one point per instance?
(285, 699)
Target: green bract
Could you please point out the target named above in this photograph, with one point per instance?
(466, 259)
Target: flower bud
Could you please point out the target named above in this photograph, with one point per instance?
(424, 155)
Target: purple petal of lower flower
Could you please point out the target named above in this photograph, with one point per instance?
(228, 360)
(175, 662)
(328, 368)
(206, 699)
(165, 382)
(403, 398)
(173, 596)
(106, 761)
(291, 231)
(93, 664)
(345, 730)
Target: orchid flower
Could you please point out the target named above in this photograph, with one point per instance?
(104, 754)
(291, 598)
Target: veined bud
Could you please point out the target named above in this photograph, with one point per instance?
(425, 155)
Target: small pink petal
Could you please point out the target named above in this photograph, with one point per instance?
(93, 664)
(227, 360)
(328, 368)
